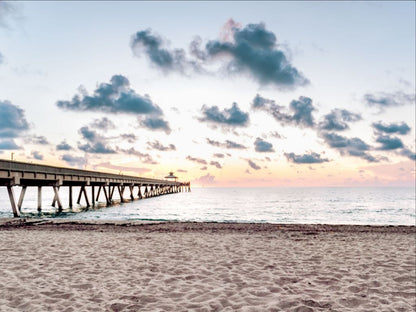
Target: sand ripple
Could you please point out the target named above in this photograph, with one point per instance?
(49, 270)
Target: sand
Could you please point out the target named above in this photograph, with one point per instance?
(64, 266)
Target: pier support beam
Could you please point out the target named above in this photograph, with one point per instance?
(56, 191)
(70, 196)
(139, 193)
(22, 195)
(16, 212)
(39, 198)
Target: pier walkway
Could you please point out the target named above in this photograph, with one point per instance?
(13, 173)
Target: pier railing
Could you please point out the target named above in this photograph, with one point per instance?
(13, 173)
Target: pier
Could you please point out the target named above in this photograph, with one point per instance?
(13, 173)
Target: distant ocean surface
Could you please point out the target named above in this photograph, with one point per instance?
(375, 206)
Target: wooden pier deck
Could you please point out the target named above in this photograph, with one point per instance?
(13, 173)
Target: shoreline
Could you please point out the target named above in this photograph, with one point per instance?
(186, 226)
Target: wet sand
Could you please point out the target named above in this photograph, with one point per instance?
(144, 266)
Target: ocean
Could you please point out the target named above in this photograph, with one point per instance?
(371, 206)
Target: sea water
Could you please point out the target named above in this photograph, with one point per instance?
(375, 205)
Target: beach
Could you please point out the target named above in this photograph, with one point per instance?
(61, 265)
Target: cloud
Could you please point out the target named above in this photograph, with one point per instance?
(160, 147)
(40, 140)
(352, 147)
(152, 45)
(37, 155)
(114, 97)
(216, 164)
(130, 137)
(12, 120)
(384, 100)
(74, 161)
(389, 143)
(103, 124)
(408, 153)
(205, 180)
(399, 128)
(227, 144)
(337, 120)
(63, 146)
(263, 146)
(182, 170)
(253, 50)
(8, 144)
(276, 135)
(219, 155)
(96, 143)
(7, 9)
(231, 117)
(155, 123)
(253, 165)
(1, 58)
(312, 158)
(144, 157)
(301, 110)
(197, 160)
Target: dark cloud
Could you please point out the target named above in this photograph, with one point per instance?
(254, 50)
(389, 143)
(103, 124)
(8, 144)
(352, 147)
(96, 148)
(182, 170)
(129, 137)
(261, 102)
(197, 160)
(37, 155)
(301, 110)
(408, 153)
(219, 155)
(383, 100)
(216, 164)
(12, 120)
(152, 44)
(96, 143)
(253, 165)
(160, 147)
(155, 123)
(144, 157)
(227, 144)
(114, 97)
(203, 168)
(74, 161)
(399, 128)
(231, 117)
(337, 120)
(63, 146)
(263, 146)
(312, 158)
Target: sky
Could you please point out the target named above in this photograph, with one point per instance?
(224, 94)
